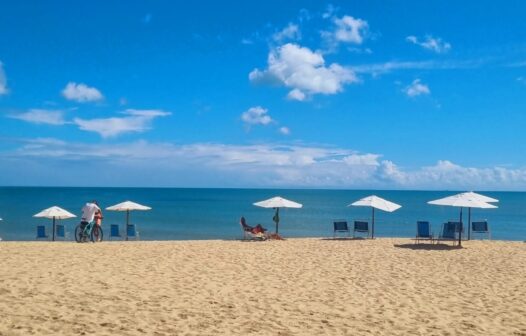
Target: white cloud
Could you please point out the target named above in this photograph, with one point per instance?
(290, 32)
(347, 29)
(146, 113)
(329, 11)
(296, 94)
(270, 165)
(41, 116)
(416, 88)
(377, 69)
(81, 93)
(303, 71)
(136, 121)
(350, 30)
(429, 42)
(256, 115)
(3, 80)
(284, 130)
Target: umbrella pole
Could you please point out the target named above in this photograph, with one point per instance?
(372, 235)
(460, 229)
(277, 219)
(53, 228)
(127, 222)
(469, 223)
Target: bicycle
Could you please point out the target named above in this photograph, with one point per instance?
(83, 232)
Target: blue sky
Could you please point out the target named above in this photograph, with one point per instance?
(353, 94)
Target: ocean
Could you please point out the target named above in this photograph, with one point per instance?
(182, 214)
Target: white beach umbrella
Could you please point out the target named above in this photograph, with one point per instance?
(479, 197)
(128, 206)
(277, 203)
(54, 213)
(376, 202)
(464, 200)
(483, 198)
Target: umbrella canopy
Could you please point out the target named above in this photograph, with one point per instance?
(483, 198)
(277, 203)
(462, 202)
(128, 206)
(376, 202)
(466, 200)
(54, 213)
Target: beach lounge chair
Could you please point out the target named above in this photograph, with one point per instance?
(41, 232)
(114, 231)
(480, 227)
(449, 232)
(131, 232)
(60, 232)
(423, 231)
(361, 227)
(248, 231)
(340, 225)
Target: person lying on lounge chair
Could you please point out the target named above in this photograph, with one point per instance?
(256, 229)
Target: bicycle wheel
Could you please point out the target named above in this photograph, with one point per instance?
(78, 234)
(97, 234)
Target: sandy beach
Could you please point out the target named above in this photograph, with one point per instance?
(293, 287)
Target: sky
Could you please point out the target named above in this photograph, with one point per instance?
(288, 94)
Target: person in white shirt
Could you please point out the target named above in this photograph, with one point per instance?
(88, 212)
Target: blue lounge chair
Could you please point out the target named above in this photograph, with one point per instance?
(60, 232)
(341, 226)
(114, 231)
(361, 227)
(449, 232)
(131, 232)
(41, 232)
(480, 227)
(423, 231)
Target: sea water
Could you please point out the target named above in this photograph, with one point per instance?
(214, 213)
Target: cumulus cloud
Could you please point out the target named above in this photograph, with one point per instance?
(290, 32)
(416, 88)
(347, 29)
(81, 93)
(3, 80)
(284, 130)
(435, 44)
(135, 121)
(329, 11)
(303, 71)
(256, 115)
(296, 94)
(41, 116)
(264, 165)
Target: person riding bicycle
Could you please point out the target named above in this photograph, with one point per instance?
(89, 227)
(88, 213)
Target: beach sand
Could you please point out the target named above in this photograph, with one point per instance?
(292, 287)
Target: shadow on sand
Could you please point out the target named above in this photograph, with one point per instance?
(429, 247)
(344, 238)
